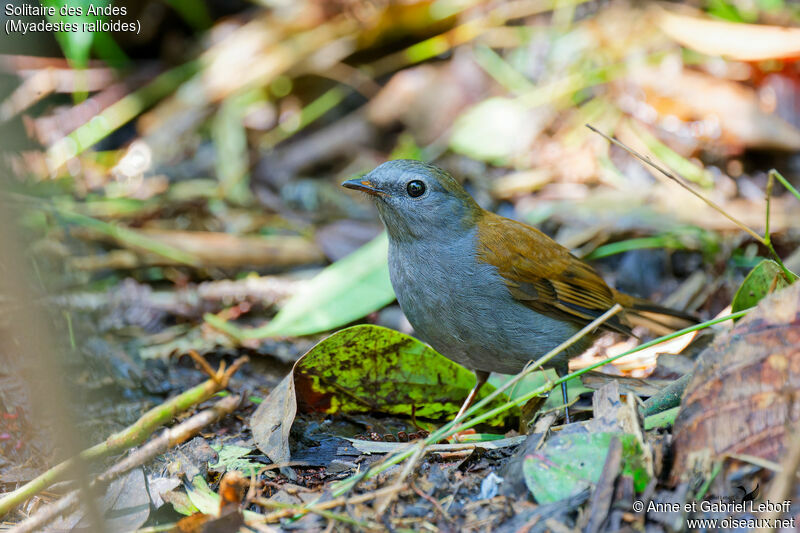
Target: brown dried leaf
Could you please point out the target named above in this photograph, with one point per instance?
(744, 389)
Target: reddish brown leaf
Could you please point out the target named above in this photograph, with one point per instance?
(744, 390)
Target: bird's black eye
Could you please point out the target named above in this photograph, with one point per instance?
(415, 188)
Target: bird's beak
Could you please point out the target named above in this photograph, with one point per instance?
(364, 185)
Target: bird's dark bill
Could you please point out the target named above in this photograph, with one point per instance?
(360, 184)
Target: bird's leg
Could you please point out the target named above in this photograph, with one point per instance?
(480, 379)
(562, 369)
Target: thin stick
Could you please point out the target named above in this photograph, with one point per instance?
(337, 502)
(299, 509)
(129, 437)
(767, 198)
(204, 366)
(168, 439)
(788, 274)
(785, 183)
(763, 240)
(399, 482)
(674, 178)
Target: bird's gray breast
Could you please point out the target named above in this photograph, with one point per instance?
(462, 307)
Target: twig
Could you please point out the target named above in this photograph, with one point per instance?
(668, 397)
(129, 437)
(297, 509)
(204, 366)
(169, 438)
(399, 482)
(674, 178)
(129, 237)
(431, 499)
(788, 274)
(322, 506)
(763, 240)
(778, 176)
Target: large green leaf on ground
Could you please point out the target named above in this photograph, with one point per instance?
(573, 462)
(364, 369)
(347, 290)
(765, 278)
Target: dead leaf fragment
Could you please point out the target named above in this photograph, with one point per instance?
(744, 390)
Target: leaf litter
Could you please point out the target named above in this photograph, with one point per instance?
(214, 205)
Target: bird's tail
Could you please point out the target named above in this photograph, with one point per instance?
(660, 320)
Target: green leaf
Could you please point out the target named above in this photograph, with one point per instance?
(202, 497)
(765, 278)
(365, 369)
(76, 45)
(207, 501)
(374, 369)
(571, 463)
(234, 458)
(347, 290)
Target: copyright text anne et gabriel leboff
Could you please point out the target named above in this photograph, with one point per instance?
(720, 506)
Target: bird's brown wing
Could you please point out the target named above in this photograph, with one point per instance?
(544, 275)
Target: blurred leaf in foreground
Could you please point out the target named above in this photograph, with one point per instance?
(364, 369)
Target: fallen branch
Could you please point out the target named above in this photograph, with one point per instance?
(129, 437)
(168, 439)
(194, 248)
(209, 296)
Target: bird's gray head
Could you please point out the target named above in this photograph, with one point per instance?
(417, 200)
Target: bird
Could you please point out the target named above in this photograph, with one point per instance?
(486, 291)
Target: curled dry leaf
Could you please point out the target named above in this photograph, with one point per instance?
(744, 390)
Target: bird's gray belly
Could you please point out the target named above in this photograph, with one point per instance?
(463, 309)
